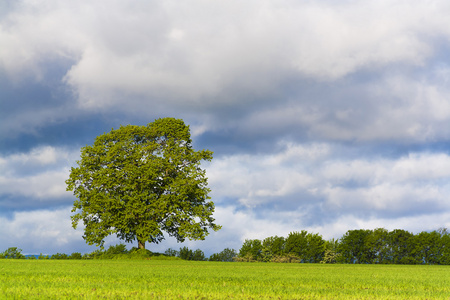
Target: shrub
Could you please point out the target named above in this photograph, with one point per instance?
(246, 258)
(330, 257)
(287, 258)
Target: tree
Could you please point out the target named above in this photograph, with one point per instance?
(59, 256)
(402, 245)
(427, 247)
(12, 252)
(198, 255)
(251, 250)
(315, 248)
(297, 244)
(271, 247)
(353, 247)
(185, 253)
(378, 247)
(171, 252)
(140, 181)
(226, 255)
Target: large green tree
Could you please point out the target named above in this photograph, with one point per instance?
(140, 182)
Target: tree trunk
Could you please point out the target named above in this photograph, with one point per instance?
(141, 245)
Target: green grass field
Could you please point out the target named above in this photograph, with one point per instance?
(159, 279)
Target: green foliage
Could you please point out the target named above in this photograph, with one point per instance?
(353, 247)
(296, 243)
(75, 255)
(286, 258)
(136, 253)
(380, 246)
(187, 254)
(226, 255)
(198, 255)
(117, 249)
(308, 246)
(171, 252)
(41, 256)
(329, 257)
(12, 253)
(251, 250)
(315, 248)
(378, 242)
(140, 181)
(271, 247)
(362, 246)
(59, 256)
(401, 245)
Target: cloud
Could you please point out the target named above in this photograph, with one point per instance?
(189, 53)
(258, 71)
(35, 179)
(311, 180)
(41, 231)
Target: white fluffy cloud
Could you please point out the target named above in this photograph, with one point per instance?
(38, 174)
(311, 178)
(185, 51)
(41, 231)
(226, 61)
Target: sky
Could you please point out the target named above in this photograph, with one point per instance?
(323, 116)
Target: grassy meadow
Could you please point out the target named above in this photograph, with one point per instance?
(179, 279)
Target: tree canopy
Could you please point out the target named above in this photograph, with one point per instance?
(140, 181)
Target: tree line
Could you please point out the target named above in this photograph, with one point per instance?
(360, 246)
(120, 251)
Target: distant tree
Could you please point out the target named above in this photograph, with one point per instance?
(59, 256)
(251, 250)
(185, 253)
(140, 181)
(198, 255)
(353, 247)
(41, 256)
(444, 251)
(226, 255)
(377, 243)
(402, 245)
(271, 247)
(13, 252)
(171, 252)
(75, 255)
(428, 247)
(332, 244)
(297, 244)
(315, 248)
